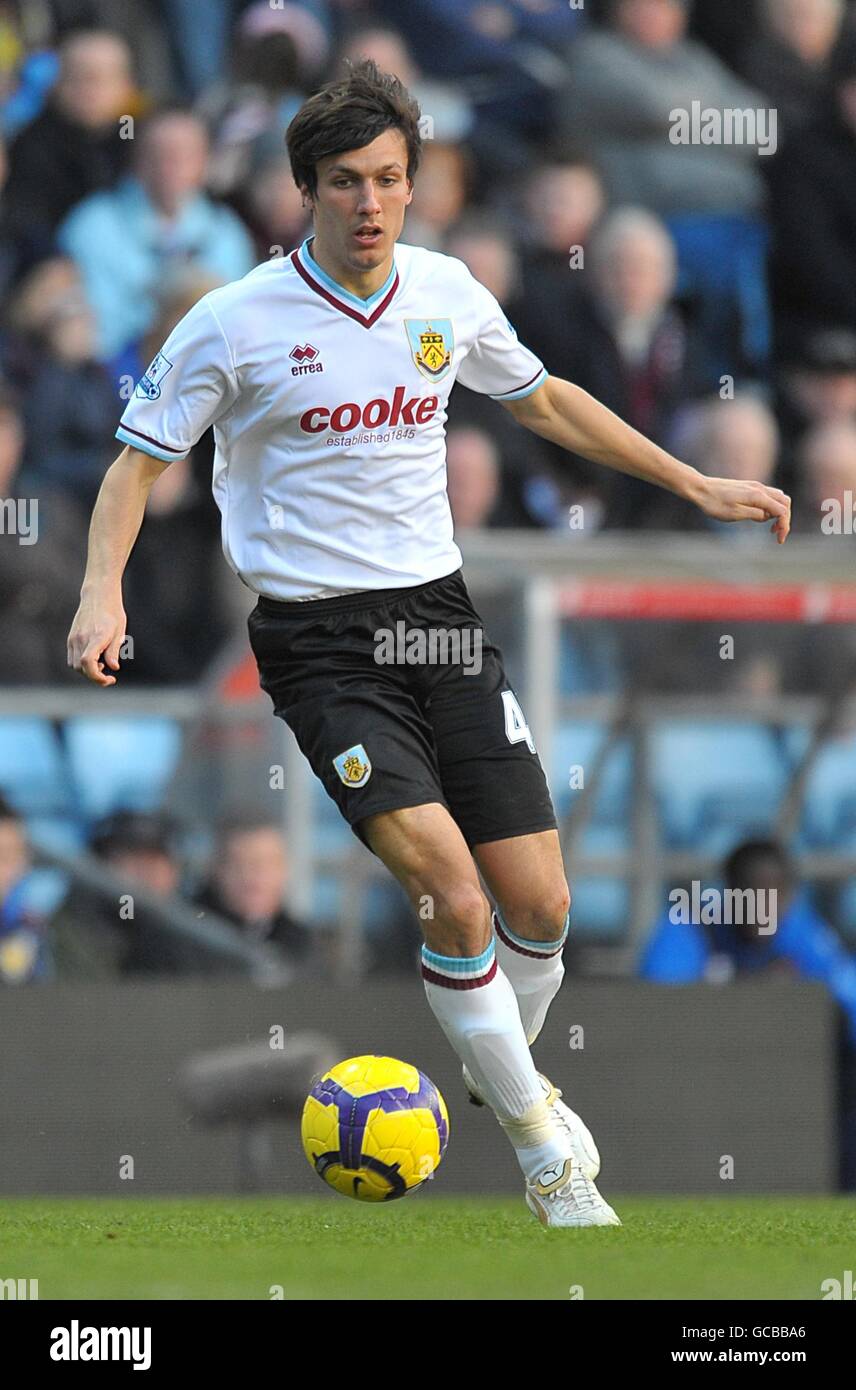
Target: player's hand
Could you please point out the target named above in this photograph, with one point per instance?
(727, 500)
(96, 637)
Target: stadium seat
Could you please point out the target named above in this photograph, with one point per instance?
(589, 660)
(722, 265)
(65, 834)
(42, 891)
(704, 774)
(121, 764)
(829, 811)
(33, 774)
(600, 906)
(578, 743)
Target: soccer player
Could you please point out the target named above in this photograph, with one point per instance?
(325, 374)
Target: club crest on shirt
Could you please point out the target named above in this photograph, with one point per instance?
(431, 342)
(149, 384)
(353, 766)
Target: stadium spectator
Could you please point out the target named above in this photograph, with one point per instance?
(248, 886)
(789, 59)
(447, 113)
(271, 207)
(173, 583)
(813, 203)
(442, 190)
(473, 472)
(827, 475)
(75, 147)
(93, 937)
(802, 943)
(631, 347)
(819, 384)
(39, 297)
(28, 71)
(70, 406)
(623, 85)
(528, 497)
(815, 385)
(24, 954)
(133, 242)
(511, 49)
(725, 26)
(724, 439)
(487, 250)
(201, 49)
(12, 255)
(824, 654)
(42, 539)
(563, 205)
(277, 56)
(176, 589)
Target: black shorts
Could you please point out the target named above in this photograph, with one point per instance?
(383, 734)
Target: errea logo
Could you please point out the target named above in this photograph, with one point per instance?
(306, 357)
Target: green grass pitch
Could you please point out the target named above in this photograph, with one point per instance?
(424, 1247)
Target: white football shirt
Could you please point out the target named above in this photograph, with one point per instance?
(328, 414)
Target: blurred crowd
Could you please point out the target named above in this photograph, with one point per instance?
(706, 292)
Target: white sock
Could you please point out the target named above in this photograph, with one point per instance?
(535, 970)
(475, 1006)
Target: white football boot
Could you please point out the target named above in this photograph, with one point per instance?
(563, 1196)
(583, 1147)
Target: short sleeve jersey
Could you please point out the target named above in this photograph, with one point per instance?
(329, 416)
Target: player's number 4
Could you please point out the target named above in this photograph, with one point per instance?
(516, 728)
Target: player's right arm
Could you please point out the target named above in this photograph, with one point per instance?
(98, 630)
(189, 385)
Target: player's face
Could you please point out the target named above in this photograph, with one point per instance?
(360, 204)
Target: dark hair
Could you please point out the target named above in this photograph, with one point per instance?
(348, 114)
(245, 821)
(123, 831)
(739, 865)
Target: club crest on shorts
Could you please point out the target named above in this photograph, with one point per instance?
(353, 766)
(431, 342)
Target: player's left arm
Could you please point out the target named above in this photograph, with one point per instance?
(571, 418)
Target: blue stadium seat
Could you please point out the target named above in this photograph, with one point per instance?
(121, 764)
(42, 891)
(722, 264)
(589, 660)
(829, 813)
(578, 743)
(33, 774)
(731, 774)
(600, 906)
(324, 906)
(64, 834)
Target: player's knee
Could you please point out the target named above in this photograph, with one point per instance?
(461, 922)
(542, 917)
